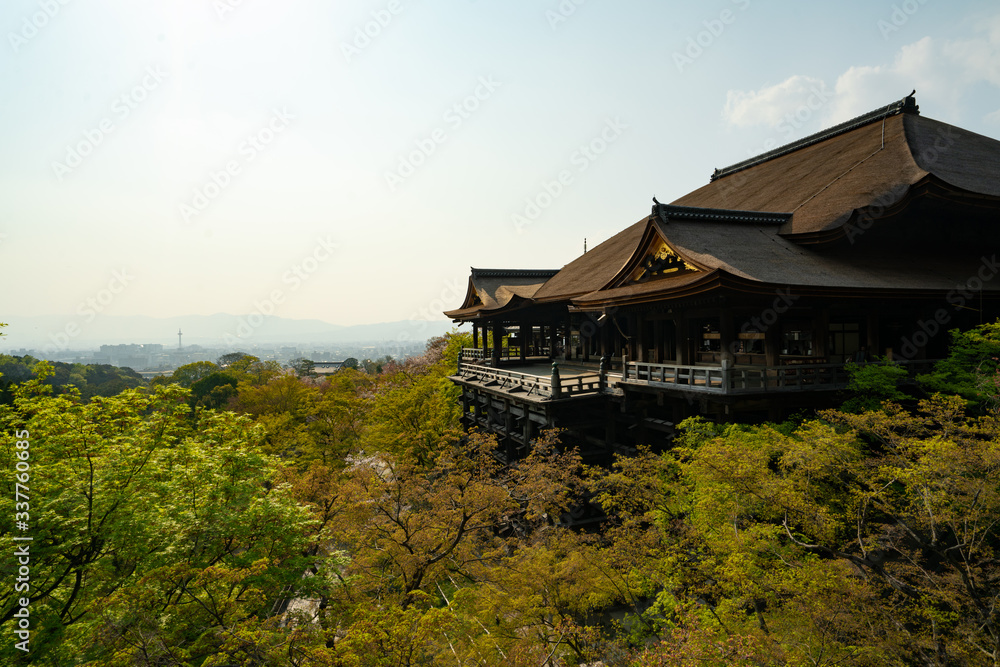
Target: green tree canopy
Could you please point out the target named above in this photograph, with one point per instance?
(971, 367)
(155, 541)
(188, 374)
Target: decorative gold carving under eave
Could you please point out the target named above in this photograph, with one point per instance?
(660, 263)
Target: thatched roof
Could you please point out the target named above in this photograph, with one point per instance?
(836, 175)
(491, 290)
(887, 203)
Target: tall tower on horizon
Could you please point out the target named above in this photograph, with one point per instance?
(179, 346)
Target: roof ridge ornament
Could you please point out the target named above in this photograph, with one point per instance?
(513, 273)
(667, 212)
(906, 105)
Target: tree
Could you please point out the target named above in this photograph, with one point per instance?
(13, 371)
(338, 424)
(870, 544)
(284, 406)
(417, 411)
(429, 552)
(188, 374)
(304, 367)
(972, 363)
(155, 540)
(214, 390)
(230, 358)
(870, 385)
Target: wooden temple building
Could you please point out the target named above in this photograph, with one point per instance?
(744, 299)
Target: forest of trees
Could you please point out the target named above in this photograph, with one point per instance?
(238, 513)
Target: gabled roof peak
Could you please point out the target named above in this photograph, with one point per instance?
(906, 105)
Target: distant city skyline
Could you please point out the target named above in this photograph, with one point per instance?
(53, 334)
(348, 162)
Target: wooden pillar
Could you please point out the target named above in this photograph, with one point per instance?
(727, 336)
(553, 338)
(633, 341)
(681, 333)
(508, 427)
(497, 342)
(486, 341)
(658, 343)
(642, 354)
(568, 338)
(523, 335)
(821, 332)
(605, 333)
(475, 334)
(772, 344)
(873, 342)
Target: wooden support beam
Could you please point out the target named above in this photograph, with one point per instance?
(772, 344)
(497, 342)
(821, 332)
(681, 334)
(727, 335)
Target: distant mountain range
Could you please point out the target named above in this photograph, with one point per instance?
(207, 330)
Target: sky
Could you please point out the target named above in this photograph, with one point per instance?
(349, 161)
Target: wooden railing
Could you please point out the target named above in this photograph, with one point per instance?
(471, 355)
(707, 378)
(533, 385)
(581, 384)
(703, 379)
(748, 379)
(799, 377)
(475, 355)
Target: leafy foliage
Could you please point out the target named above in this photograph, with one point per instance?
(872, 384)
(89, 379)
(348, 521)
(970, 368)
(154, 540)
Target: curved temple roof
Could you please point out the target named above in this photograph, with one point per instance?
(792, 217)
(838, 173)
(492, 290)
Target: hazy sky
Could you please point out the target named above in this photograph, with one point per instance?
(348, 161)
